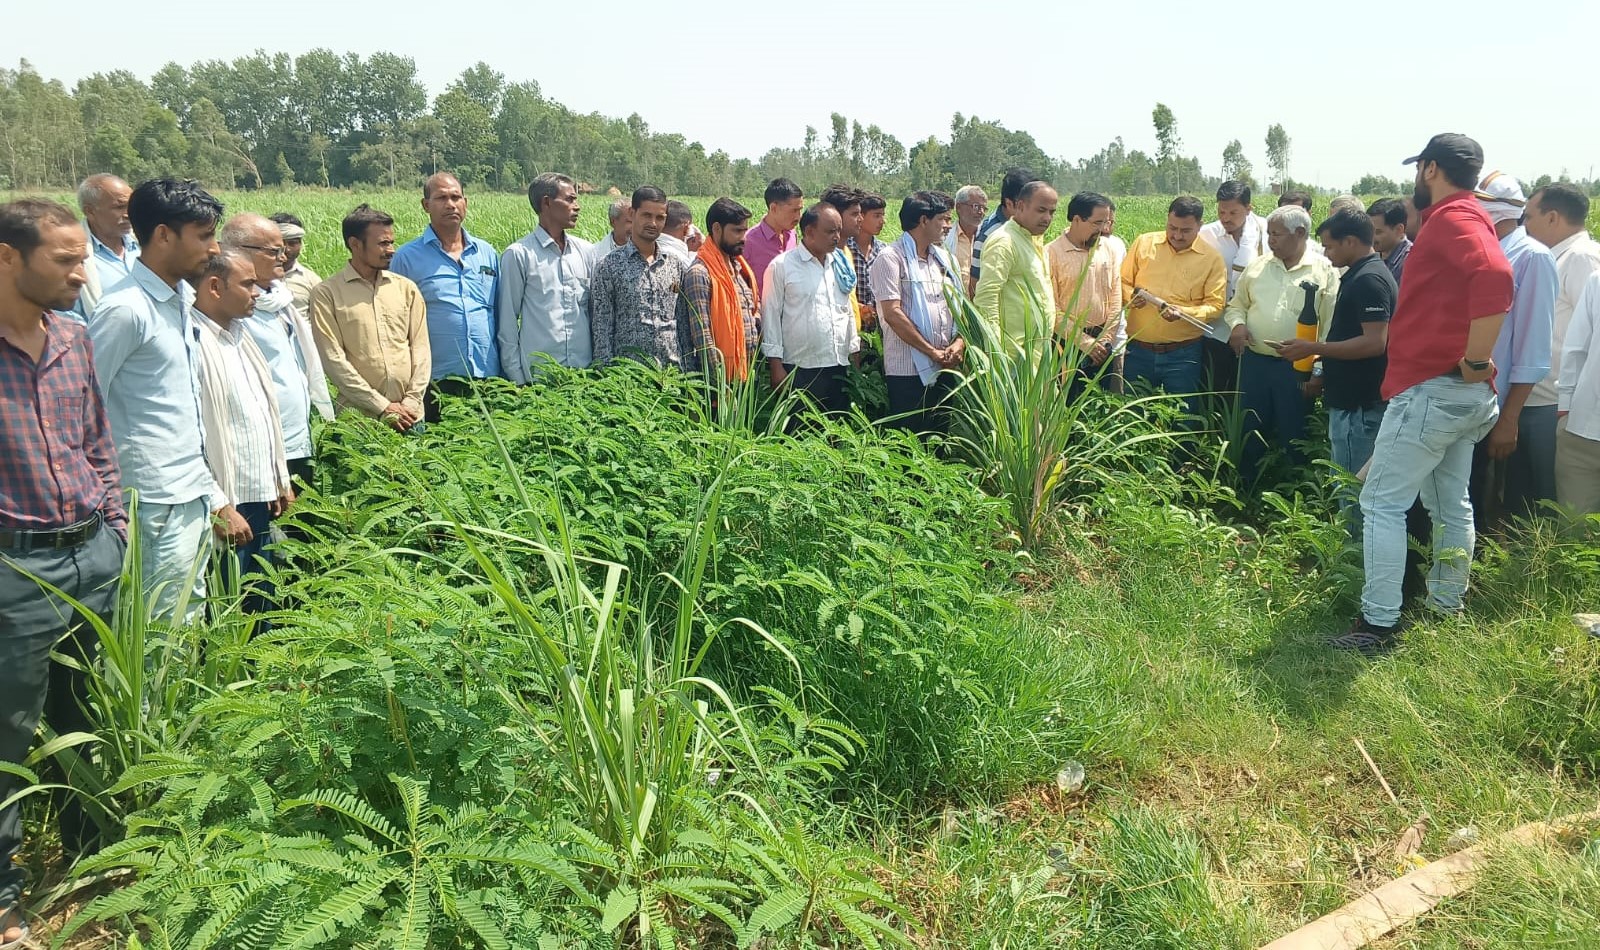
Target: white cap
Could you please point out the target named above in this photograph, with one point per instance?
(1501, 196)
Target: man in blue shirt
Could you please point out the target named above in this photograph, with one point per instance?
(146, 363)
(112, 248)
(1510, 473)
(457, 274)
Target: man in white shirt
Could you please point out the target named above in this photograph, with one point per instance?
(808, 331)
(244, 434)
(1555, 217)
(112, 249)
(1240, 236)
(1578, 407)
(620, 214)
(675, 236)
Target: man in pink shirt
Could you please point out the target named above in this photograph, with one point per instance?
(775, 234)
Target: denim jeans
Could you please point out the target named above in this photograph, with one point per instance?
(1176, 371)
(174, 550)
(1424, 447)
(1351, 434)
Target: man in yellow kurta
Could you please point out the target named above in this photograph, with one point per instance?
(1014, 292)
(1267, 303)
(1190, 280)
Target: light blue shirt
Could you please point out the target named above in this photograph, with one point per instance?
(544, 304)
(274, 333)
(108, 267)
(460, 299)
(1522, 351)
(146, 362)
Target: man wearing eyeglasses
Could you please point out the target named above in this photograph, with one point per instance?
(971, 206)
(283, 335)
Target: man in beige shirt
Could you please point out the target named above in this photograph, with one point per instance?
(1088, 289)
(371, 327)
(972, 206)
(296, 275)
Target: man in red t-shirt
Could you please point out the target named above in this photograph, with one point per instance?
(1439, 389)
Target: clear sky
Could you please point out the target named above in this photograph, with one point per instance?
(745, 77)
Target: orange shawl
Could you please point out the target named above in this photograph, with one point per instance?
(727, 318)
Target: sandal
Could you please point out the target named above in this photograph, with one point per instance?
(13, 917)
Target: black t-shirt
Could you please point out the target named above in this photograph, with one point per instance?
(1367, 294)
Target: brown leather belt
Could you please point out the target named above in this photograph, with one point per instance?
(1162, 347)
(24, 541)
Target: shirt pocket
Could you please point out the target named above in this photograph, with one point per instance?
(68, 420)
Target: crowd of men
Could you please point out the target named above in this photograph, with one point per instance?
(158, 354)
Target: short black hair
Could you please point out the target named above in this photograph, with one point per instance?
(1565, 199)
(810, 216)
(284, 217)
(1296, 197)
(872, 202)
(1187, 206)
(1031, 187)
(645, 193)
(547, 185)
(1391, 210)
(726, 211)
(921, 205)
(1014, 181)
(780, 190)
(170, 202)
(678, 214)
(356, 223)
(1347, 223)
(20, 222)
(1083, 204)
(842, 197)
(1234, 191)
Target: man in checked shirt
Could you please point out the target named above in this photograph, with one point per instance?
(62, 522)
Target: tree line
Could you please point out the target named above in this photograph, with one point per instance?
(340, 120)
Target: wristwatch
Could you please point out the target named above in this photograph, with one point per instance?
(1478, 365)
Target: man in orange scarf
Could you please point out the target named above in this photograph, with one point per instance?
(719, 298)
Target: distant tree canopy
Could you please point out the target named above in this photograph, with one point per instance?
(331, 119)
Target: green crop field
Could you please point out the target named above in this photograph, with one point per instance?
(601, 663)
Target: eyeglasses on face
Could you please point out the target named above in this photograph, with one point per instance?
(279, 252)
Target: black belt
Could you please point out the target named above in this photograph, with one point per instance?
(21, 541)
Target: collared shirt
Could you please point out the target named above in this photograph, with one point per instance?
(373, 340)
(892, 281)
(1193, 279)
(694, 312)
(633, 307)
(1523, 350)
(244, 418)
(806, 319)
(1458, 273)
(544, 304)
(109, 270)
(675, 246)
(1087, 287)
(144, 358)
(762, 245)
(274, 333)
(1237, 253)
(602, 249)
(1396, 260)
(1015, 295)
(1269, 299)
(301, 279)
(1367, 294)
(1577, 258)
(1579, 389)
(863, 264)
(958, 246)
(995, 219)
(58, 464)
(460, 297)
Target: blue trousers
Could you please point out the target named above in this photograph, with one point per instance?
(1176, 371)
(1274, 410)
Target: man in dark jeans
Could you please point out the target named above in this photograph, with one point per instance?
(62, 524)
